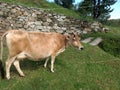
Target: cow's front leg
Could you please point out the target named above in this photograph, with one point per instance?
(17, 66)
(52, 63)
(46, 61)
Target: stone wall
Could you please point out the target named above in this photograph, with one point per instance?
(34, 19)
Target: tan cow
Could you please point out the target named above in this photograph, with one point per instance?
(35, 46)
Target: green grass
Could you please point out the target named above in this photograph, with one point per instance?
(90, 69)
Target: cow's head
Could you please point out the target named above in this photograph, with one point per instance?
(74, 40)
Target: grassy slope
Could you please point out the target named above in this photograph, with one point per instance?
(90, 69)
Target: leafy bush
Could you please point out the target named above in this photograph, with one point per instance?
(111, 45)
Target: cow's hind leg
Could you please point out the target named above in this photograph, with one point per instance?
(17, 66)
(46, 61)
(8, 65)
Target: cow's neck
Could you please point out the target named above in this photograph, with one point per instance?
(67, 43)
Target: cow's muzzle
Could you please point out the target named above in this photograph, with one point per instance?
(81, 48)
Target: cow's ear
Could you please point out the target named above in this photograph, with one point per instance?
(68, 37)
(76, 33)
(73, 36)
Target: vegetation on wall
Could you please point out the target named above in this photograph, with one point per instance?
(65, 3)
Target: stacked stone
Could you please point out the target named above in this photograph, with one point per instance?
(34, 19)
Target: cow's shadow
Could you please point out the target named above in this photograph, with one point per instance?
(28, 65)
(31, 65)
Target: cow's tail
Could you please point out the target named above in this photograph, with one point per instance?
(2, 71)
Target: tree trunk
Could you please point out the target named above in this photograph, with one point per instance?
(94, 9)
(98, 9)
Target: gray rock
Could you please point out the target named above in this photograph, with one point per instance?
(96, 41)
(13, 10)
(1, 13)
(87, 40)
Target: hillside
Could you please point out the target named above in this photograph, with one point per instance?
(73, 70)
(90, 69)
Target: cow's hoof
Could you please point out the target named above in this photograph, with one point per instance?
(22, 75)
(8, 77)
(52, 71)
(45, 66)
